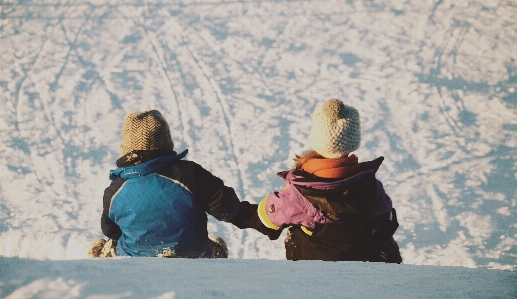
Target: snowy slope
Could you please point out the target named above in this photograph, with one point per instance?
(183, 278)
(435, 83)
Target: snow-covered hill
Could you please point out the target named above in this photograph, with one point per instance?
(182, 278)
(435, 83)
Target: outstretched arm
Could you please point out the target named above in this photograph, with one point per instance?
(217, 199)
(247, 217)
(212, 195)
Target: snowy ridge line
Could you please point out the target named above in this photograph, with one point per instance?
(188, 278)
(159, 3)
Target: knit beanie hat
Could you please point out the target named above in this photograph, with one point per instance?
(336, 130)
(146, 130)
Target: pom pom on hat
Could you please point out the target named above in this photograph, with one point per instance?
(335, 130)
(146, 130)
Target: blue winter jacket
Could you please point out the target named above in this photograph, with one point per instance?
(159, 206)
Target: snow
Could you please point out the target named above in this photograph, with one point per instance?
(252, 278)
(434, 81)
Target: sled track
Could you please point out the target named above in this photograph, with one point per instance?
(164, 68)
(222, 104)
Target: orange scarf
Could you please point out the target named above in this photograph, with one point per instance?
(332, 168)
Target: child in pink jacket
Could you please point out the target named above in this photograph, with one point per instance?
(334, 206)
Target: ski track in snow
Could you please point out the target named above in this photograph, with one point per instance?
(435, 83)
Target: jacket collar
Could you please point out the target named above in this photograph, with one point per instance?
(145, 168)
(141, 156)
(332, 168)
(299, 177)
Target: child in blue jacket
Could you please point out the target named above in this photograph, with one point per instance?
(156, 202)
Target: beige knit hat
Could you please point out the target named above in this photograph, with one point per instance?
(336, 129)
(146, 130)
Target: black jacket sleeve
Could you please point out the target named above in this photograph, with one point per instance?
(247, 217)
(110, 228)
(209, 191)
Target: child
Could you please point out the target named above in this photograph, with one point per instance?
(336, 209)
(156, 203)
